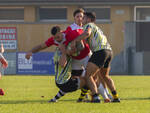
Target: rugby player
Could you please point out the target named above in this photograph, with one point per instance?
(72, 32)
(61, 38)
(3, 64)
(101, 56)
(57, 39)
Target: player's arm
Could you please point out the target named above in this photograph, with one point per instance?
(35, 50)
(83, 36)
(63, 58)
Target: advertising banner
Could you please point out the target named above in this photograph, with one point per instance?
(39, 63)
(8, 36)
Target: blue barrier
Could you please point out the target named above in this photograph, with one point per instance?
(39, 64)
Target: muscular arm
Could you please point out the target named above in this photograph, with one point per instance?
(35, 50)
(63, 58)
(83, 36)
(38, 48)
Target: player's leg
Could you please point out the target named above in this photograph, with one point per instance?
(101, 89)
(105, 74)
(3, 61)
(57, 96)
(78, 67)
(104, 85)
(110, 84)
(71, 85)
(3, 64)
(91, 71)
(60, 74)
(84, 94)
(84, 90)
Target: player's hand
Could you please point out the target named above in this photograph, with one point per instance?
(28, 55)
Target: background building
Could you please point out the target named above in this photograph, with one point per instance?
(26, 23)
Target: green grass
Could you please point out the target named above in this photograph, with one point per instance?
(23, 95)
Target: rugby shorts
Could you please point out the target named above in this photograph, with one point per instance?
(70, 86)
(102, 58)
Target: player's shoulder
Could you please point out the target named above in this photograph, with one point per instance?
(88, 25)
(50, 39)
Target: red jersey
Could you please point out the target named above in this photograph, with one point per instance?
(51, 41)
(72, 32)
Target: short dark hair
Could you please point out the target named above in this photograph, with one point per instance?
(55, 30)
(80, 10)
(91, 15)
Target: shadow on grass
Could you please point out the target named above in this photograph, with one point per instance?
(134, 98)
(46, 101)
(31, 101)
(22, 101)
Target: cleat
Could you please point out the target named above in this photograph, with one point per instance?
(116, 100)
(52, 100)
(107, 100)
(80, 100)
(96, 101)
(1, 92)
(85, 99)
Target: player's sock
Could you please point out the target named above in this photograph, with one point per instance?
(102, 91)
(84, 91)
(114, 94)
(58, 96)
(115, 97)
(108, 94)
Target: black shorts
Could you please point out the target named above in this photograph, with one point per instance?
(69, 86)
(76, 72)
(102, 58)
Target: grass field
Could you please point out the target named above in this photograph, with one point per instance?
(23, 95)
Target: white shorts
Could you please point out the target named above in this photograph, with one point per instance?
(80, 64)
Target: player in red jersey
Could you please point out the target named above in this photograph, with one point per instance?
(78, 62)
(62, 38)
(3, 64)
